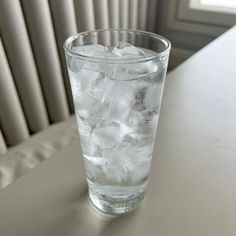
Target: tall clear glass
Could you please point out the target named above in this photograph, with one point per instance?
(117, 79)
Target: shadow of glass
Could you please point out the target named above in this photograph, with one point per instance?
(117, 224)
(78, 216)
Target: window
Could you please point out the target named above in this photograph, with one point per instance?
(226, 6)
(206, 17)
(219, 3)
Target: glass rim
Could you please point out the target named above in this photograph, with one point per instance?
(157, 55)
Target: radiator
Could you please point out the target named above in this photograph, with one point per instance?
(34, 84)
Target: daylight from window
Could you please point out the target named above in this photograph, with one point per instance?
(220, 3)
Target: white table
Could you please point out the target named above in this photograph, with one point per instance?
(192, 190)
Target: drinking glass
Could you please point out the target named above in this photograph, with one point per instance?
(117, 79)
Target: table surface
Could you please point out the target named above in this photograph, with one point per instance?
(193, 177)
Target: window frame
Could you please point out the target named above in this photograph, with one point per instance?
(185, 15)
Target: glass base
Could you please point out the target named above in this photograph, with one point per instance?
(115, 206)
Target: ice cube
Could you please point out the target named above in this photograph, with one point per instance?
(127, 165)
(145, 117)
(109, 136)
(90, 82)
(132, 71)
(117, 168)
(144, 70)
(95, 168)
(156, 77)
(77, 64)
(139, 97)
(152, 102)
(86, 79)
(126, 50)
(74, 83)
(121, 172)
(82, 83)
(120, 90)
(101, 86)
(90, 110)
(141, 169)
(119, 97)
(89, 105)
(119, 111)
(153, 96)
(89, 149)
(89, 50)
(106, 68)
(106, 55)
(151, 114)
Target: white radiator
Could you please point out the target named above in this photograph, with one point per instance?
(34, 85)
